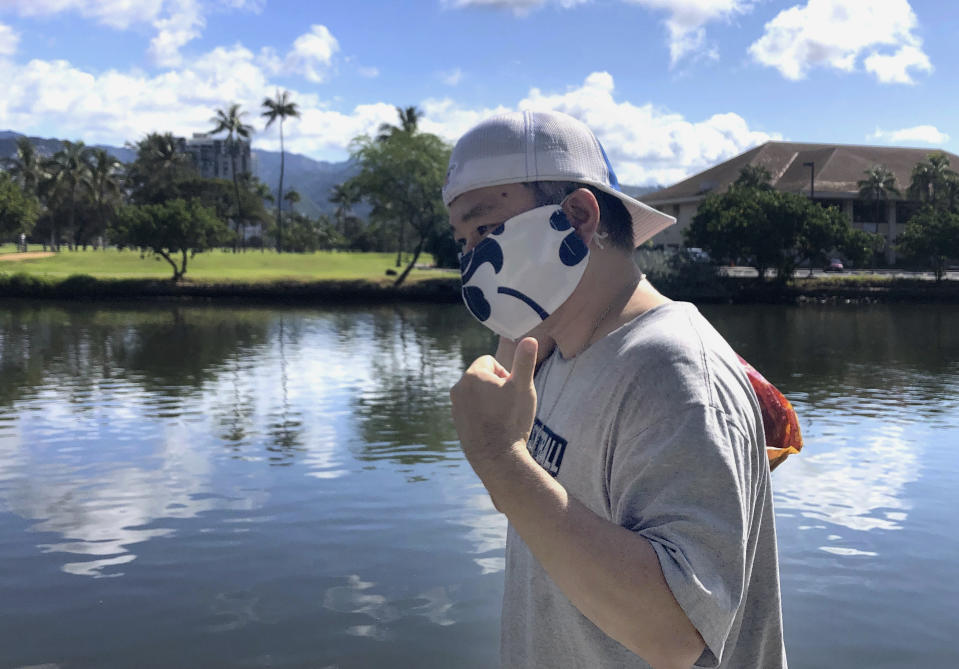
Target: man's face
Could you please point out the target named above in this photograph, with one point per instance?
(475, 213)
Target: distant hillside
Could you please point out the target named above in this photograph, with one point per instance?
(312, 179)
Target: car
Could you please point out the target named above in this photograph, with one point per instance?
(697, 255)
(835, 265)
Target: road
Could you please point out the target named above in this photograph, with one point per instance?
(750, 272)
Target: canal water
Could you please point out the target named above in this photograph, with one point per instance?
(221, 486)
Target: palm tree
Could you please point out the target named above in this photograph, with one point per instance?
(878, 185)
(279, 108)
(932, 179)
(409, 124)
(344, 196)
(104, 184)
(754, 176)
(159, 166)
(230, 121)
(291, 196)
(69, 171)
(26, 166)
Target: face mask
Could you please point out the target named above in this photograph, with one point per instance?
(523, 271)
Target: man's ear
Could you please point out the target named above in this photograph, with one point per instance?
(582, 210)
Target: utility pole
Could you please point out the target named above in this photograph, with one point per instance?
(812, 172)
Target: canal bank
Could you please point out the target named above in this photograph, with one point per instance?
(446, 288)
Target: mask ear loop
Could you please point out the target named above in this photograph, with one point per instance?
(597, 236)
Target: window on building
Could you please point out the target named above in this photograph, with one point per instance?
(826, 203)
(905, 211)
(869, 212)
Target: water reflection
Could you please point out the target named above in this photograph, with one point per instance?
(858, 485)
(284, 486)
(104, 508)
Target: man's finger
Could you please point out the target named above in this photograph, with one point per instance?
(524, 362)
(488, 363)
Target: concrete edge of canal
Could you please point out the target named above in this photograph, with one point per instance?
(729, 290)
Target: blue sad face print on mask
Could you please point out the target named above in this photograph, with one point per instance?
(523, 271)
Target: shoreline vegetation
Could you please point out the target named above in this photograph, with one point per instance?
(336, 277)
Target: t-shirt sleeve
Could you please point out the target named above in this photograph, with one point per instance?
(686, 485)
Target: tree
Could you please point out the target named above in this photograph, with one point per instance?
(230, 121)
(409, 124)
(754, 176)
(159, 170)
(770, 229)
(26, 167)
(933, 181)
(931, 236)
(291, 197)
(860, 247)
(401, 177)
(177, 227)
(822, 231)
(104, 188)
(878, 185)
(279, 108)
(349, 226)
(18, 209)
(68, 172)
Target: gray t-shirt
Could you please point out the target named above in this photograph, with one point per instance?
(656, 428)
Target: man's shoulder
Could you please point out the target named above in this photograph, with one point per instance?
(671, 357)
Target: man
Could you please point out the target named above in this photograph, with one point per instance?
(615, 428)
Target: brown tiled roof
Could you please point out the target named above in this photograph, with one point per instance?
(837, 169)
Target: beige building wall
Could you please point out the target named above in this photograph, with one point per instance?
(672, 237)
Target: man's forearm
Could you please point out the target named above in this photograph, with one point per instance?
(610, 574)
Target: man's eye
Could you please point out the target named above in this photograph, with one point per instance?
(481, 230)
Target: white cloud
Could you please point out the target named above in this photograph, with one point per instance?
(685, 24)
(177, 22)
(925, 134)
(312, 53)
(451, 77)
(55, 98)
(368, 72)
(184, 24)
(836, 33)
(894, 69)
(518, 7)
(646, 145)
(687, 21)
(119, 14)
(9, 41)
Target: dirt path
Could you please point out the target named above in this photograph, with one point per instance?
(30, 255)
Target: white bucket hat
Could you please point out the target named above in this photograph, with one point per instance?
(520, 147)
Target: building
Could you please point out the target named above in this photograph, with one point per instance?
(829, 173)
(212, 156)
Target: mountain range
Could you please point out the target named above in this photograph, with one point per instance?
(312, 179)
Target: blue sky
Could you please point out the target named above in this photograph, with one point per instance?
(669, 86)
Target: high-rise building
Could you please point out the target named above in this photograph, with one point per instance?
(212, 155)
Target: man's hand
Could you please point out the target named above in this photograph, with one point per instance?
(493, 409)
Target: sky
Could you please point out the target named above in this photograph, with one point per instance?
(670, 87)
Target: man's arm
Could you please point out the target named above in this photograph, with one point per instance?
(610, 574)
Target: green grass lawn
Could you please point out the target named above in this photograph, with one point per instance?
(213, 266)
